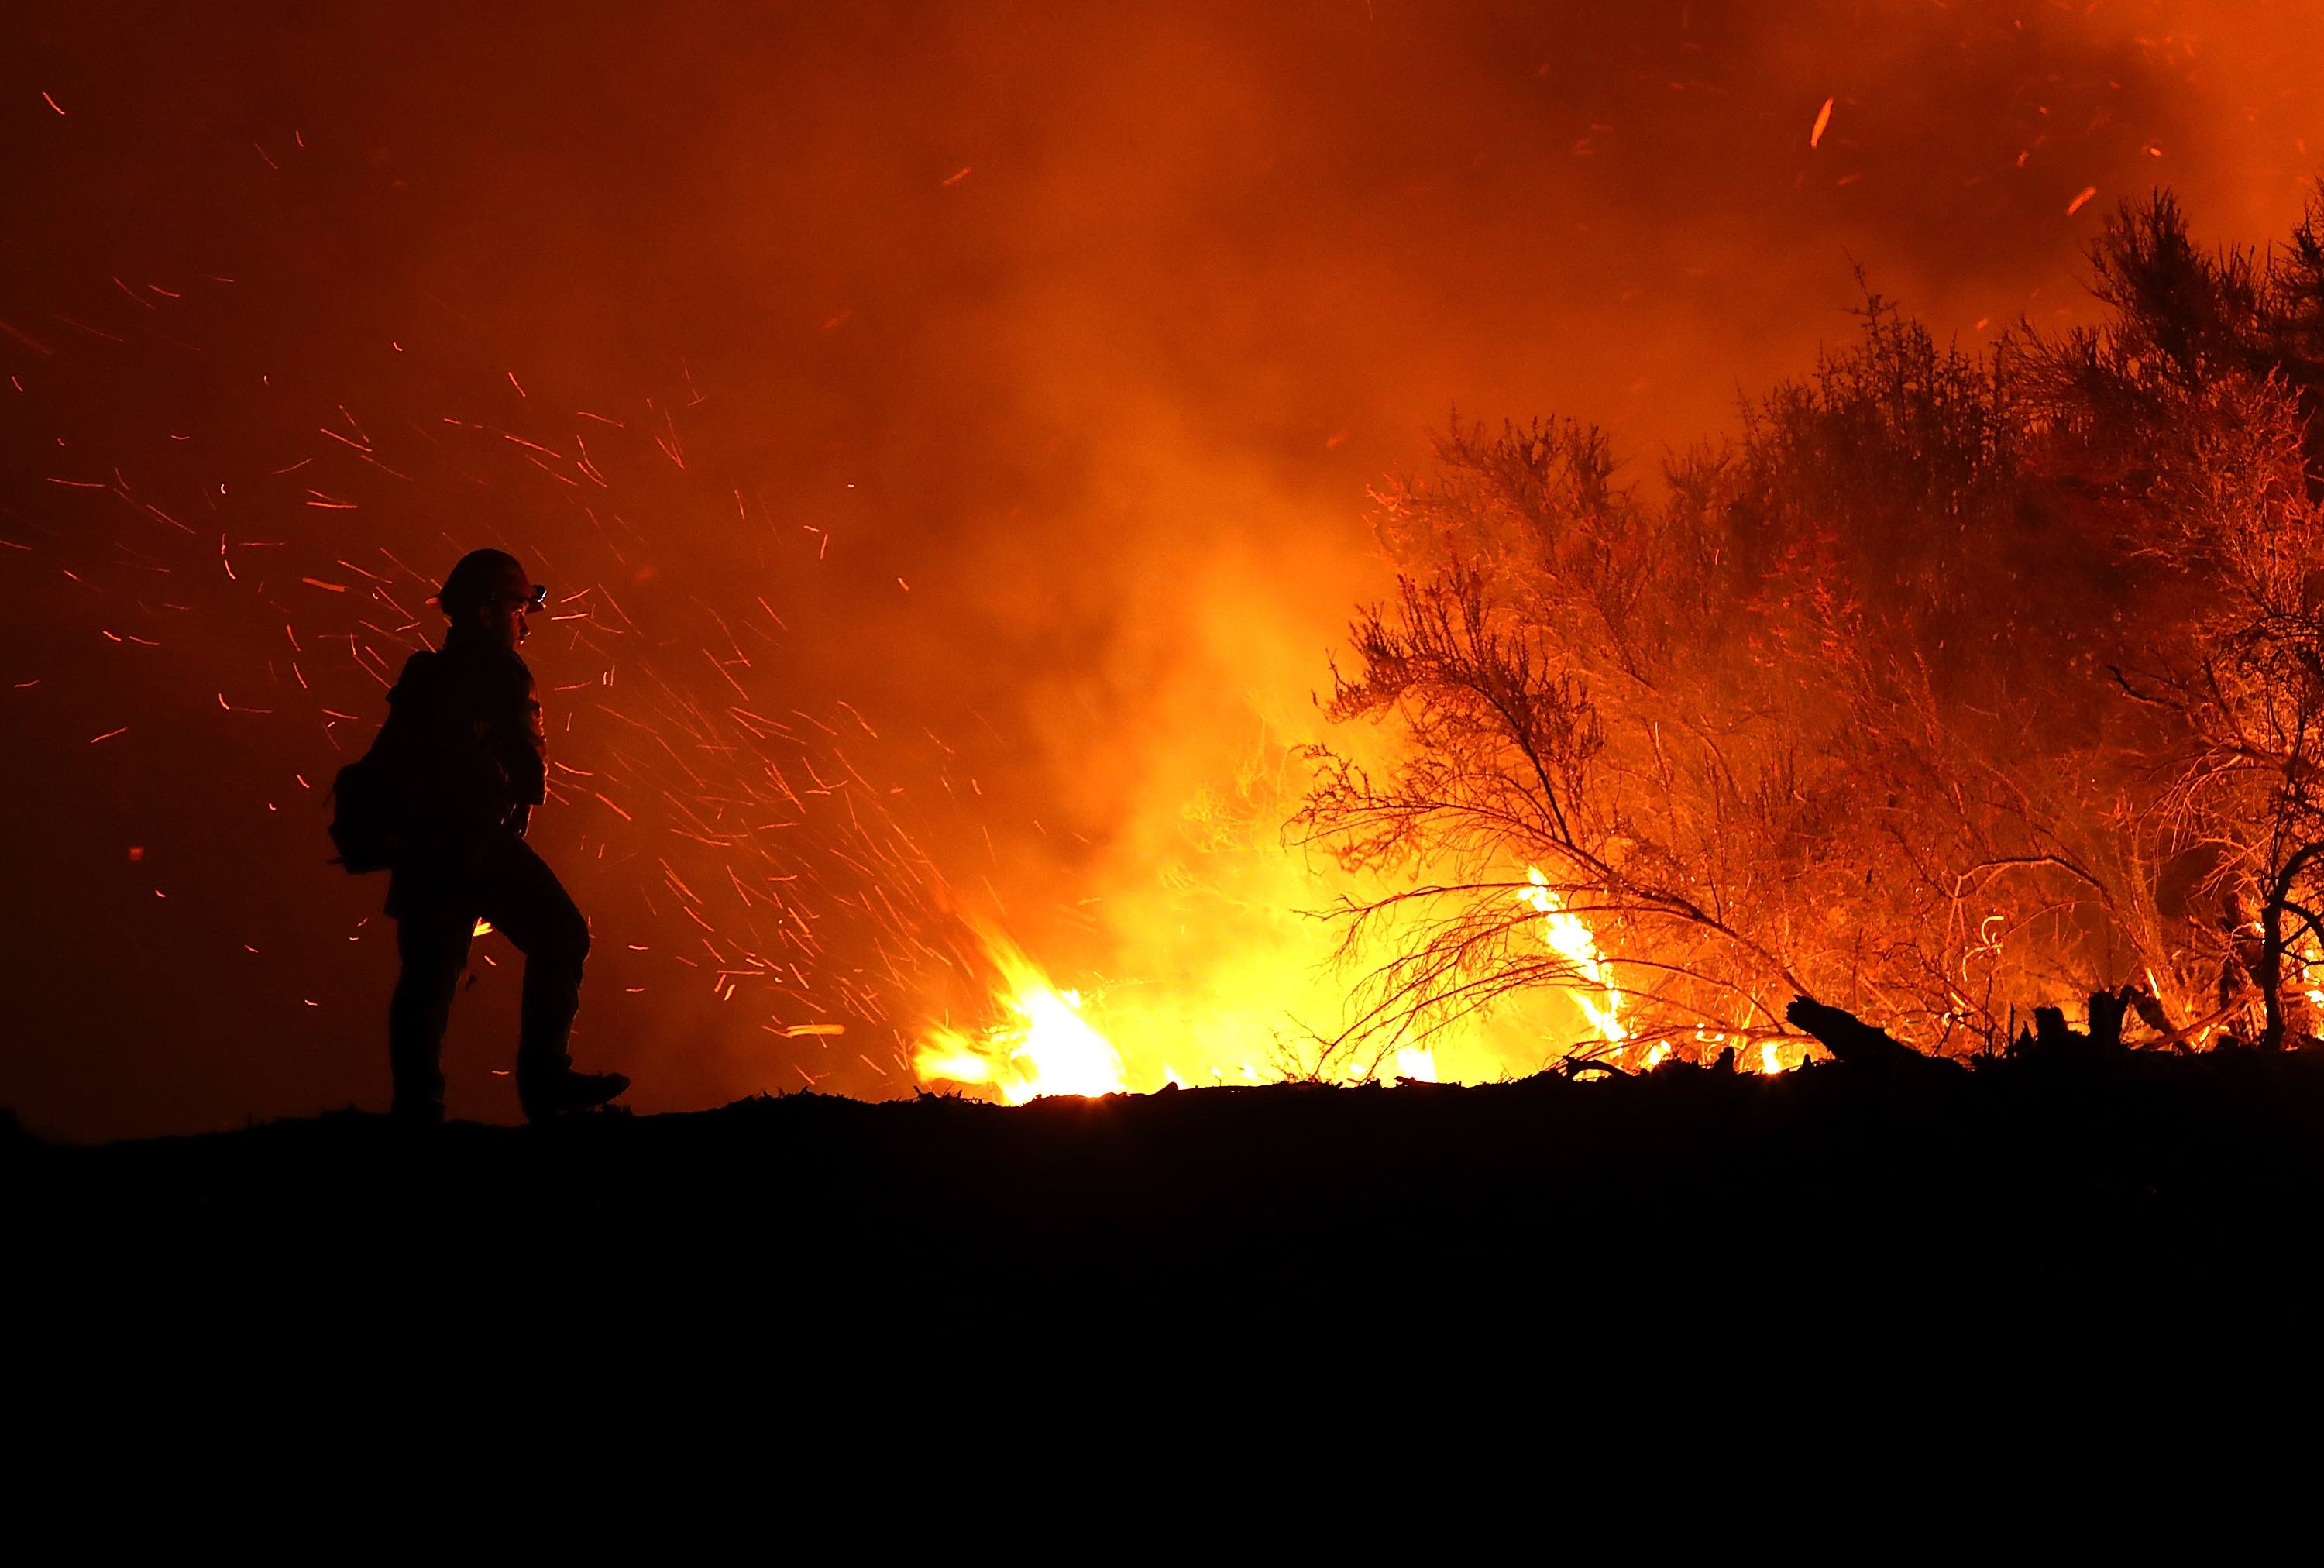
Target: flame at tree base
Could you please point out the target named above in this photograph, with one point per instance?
(1047, 1049)
(1046, 1043)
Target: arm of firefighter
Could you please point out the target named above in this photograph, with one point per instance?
(523, 743)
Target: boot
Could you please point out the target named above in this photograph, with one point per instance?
(554, 1091)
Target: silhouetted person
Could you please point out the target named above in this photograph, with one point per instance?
(464, 735)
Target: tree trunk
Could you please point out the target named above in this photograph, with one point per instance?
(2271, 949)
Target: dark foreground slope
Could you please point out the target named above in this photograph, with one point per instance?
(2141, 1183)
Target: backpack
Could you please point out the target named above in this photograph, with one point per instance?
(365, 818)
(371, 807)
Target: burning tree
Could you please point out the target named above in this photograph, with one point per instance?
(1952, 683)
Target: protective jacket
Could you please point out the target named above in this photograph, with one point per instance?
(465, 739)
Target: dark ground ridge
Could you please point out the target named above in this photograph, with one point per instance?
(2138, 1181)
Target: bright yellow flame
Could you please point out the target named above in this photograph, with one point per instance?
(1047, 1044)
(1570, 938)
(1414, 1065)
(1048, 1048)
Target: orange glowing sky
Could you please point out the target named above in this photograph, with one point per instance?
(995, 386)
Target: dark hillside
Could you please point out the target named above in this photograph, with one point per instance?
(2137, 1184)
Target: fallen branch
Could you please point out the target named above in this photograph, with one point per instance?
(1853, 1043)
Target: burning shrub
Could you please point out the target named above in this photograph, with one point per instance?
(1949, 685)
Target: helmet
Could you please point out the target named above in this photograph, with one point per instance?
(471, 583)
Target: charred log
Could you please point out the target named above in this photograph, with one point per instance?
(2105, 1015)
(2050, 1039)
(1855, 1044)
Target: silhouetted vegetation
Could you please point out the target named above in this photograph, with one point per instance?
(1951, 685)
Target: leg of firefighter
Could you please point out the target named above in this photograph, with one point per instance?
(525, 901)
(433, 944)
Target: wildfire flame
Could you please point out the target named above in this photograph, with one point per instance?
(1414, 1065)
(1570, 937)
(1046, 1043)
(1047, 1048)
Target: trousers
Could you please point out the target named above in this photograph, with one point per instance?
(437, 901)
